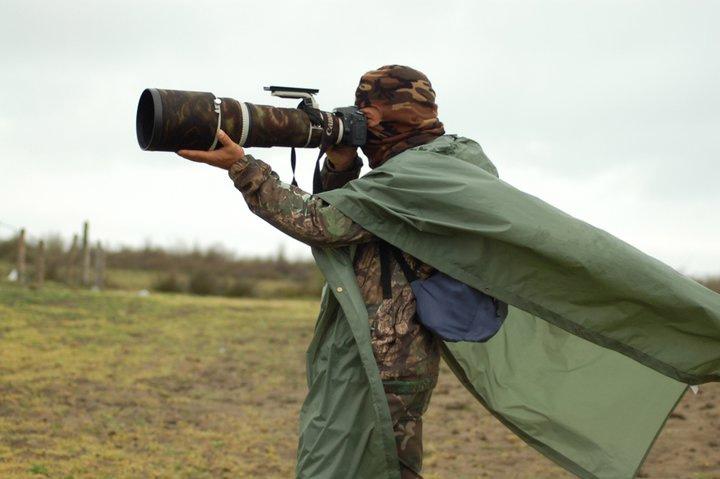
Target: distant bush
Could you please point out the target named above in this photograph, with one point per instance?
(169, 283)
(211, 271)
(8, 248)
(203, 283)
(241, 288)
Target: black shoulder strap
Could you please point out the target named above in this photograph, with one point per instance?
(385, 269)
(386, 249)
(406, 269)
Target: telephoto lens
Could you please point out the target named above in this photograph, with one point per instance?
(172, 120)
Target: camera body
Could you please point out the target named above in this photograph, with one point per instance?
(354, 125)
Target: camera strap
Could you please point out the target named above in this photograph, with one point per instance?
(317, 178)
(293, 161)
(325, 121)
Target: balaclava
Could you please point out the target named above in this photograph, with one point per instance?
(406, 100)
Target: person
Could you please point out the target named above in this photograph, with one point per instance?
(598, 343)
(399, 103)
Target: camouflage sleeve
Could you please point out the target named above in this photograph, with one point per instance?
(332, 178)
(301, 215)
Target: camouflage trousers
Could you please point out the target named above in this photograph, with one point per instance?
(406, 411)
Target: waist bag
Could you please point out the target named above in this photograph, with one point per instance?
(447, 307)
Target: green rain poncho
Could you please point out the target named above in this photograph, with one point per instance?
(600, 342)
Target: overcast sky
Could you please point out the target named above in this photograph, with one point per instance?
(608, 110)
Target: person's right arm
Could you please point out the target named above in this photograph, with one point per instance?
(293, 211)
(301, 215)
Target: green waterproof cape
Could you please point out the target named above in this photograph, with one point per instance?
(599, 345)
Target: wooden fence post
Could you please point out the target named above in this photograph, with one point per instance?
(40, 264)
(71, 266)
(21, 267)
(99, 266)
(86, 255)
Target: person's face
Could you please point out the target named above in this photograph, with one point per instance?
(374, 117)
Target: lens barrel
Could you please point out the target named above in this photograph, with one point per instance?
(171, 120)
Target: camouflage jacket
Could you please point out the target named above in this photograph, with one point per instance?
(403, 349)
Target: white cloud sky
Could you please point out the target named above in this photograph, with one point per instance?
(609, 110)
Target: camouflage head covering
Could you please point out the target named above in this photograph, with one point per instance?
(406, 100)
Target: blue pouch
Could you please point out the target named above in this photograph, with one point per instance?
(450, 308)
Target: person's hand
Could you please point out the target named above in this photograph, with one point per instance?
(341, 157)
(223, 157)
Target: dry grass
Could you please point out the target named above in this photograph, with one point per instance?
(116, 385)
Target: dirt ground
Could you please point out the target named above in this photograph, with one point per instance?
(113, 385)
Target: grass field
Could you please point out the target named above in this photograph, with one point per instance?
(116, 385)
